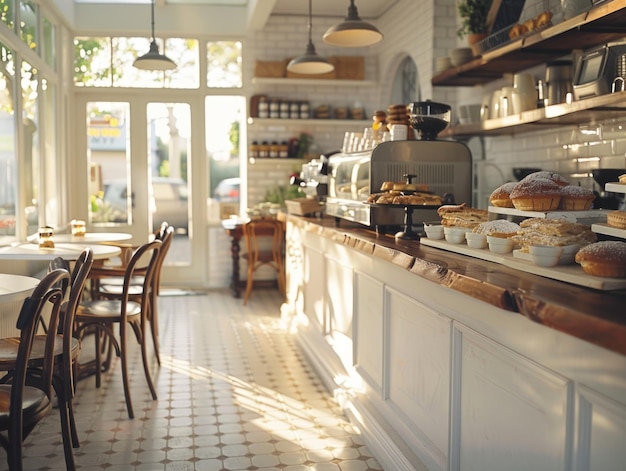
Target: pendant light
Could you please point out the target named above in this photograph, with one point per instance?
(153, 59)
(353, 32)
(310, 63)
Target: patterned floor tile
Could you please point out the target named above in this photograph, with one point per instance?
(235, 393)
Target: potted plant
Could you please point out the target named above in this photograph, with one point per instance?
(473, 15)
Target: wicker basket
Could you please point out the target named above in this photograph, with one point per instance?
(269, 69)
(303, 206)
(349, 67)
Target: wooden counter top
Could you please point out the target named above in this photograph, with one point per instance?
(596, 316)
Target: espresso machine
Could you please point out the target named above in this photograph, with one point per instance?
(444, 166)
(313, 178)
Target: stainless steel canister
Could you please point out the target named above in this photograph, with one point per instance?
(559, 81)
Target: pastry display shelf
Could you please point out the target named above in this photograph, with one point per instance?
(573, 273)
(607, 106)
(605, 229)
(602, 23)
(310, 82)
(615, 187)
(571, 216)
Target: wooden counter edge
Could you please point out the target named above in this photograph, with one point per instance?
(598, 331)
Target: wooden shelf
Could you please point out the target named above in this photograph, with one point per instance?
(603, 23)
(583, 111)
(308, 122)
(309, 82)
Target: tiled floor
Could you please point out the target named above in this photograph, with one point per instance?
(235, 393)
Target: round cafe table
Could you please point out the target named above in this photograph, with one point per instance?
(70, 252)
(88, 239)
(13, 290)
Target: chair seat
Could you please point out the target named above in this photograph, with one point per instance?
(104, 309)
(116, 289)
(36, 405)
(9, 346)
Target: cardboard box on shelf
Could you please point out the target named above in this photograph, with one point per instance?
(349, 67)
(269, 69)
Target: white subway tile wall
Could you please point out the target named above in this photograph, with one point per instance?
(423, 32)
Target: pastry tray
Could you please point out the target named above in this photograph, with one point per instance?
(609, 230)
(572, 216)
(573, 274)
(615, 187)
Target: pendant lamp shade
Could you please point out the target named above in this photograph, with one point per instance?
(153, 59)
(310, 63)
(353, 32)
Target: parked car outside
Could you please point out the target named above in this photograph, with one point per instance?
(228, 190)
(169, 202)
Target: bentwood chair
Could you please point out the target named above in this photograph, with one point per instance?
(65, 350)
(111, 283)
(259, 233)
(23, 406)
(100, 316)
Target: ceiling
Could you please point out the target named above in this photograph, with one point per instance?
(368, 9)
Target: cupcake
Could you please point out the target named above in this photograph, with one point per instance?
(544, 175)
(501, 196)
(536, 194)
(605, 258)
(576, 198)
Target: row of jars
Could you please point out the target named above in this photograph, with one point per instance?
(278, 108)
(265, 150)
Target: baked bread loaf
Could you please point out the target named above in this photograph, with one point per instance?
(517, 30)
(622, 179)
(501, 196)
(553, 232)
(543, 20)
(606, 258)
(616, 219)
(397, 197)
(536, 194)
(460, 215)
(530, 24)
(576, 198)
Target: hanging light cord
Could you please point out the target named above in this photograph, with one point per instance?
(353, 13)
(152, 9)
(310, 23)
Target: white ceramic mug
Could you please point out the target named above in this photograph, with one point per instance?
(494, 105)
(510, 103)
(485, 107)
(525, 86)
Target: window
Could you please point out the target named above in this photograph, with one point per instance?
(224, 64)
(28, 24)
(108, 62)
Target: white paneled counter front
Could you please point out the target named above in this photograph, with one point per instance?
(441, 378)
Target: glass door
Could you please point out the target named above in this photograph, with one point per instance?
(138, 165)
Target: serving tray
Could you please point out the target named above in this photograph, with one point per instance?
(573, 274)
(571, 216)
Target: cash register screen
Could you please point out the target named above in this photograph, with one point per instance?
(590, 68)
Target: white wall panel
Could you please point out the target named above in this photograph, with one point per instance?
(419, 369)
(602, 425)
(513, 414)
(368, 340)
